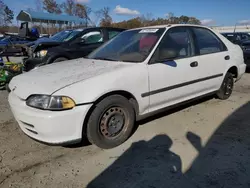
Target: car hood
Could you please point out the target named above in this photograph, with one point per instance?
(41, 40)
(50, 78)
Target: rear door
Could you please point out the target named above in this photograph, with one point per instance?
(213, 58)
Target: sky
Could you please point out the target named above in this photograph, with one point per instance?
(210, 12)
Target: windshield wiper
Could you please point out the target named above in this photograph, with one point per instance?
(104, 58)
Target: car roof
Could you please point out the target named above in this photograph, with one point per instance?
(235, 33)
(169, 25)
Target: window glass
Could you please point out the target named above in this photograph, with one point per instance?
(92, 37)
(207, 42)
(245, 37)
(112, 34)
(175, 43)
(129, 46)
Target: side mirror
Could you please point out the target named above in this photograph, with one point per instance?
(167, 55)
(79, 41)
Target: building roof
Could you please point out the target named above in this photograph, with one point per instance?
(32, 16)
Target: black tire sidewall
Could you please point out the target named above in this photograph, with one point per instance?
(93, 130)
(221, 94)
(60, 59)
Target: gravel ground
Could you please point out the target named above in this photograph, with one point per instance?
(204, 144)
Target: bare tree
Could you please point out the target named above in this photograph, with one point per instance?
(68, 6)
(51, 6)
(97, 17)
(106, 19)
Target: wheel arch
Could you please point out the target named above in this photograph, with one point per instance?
(234, 71)
(56, 56)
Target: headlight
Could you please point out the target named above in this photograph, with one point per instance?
(47, 102)
(41, 53)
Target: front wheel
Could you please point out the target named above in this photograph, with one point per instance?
(111, 122)
(226, 88)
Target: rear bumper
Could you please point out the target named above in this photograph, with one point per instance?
(241, 71)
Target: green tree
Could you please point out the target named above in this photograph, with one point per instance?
(148, 21)
(183, 19)
(193, 20)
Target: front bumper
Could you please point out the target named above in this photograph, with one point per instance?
(30, 64)
(51, 127)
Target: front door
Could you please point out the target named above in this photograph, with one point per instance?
(172, 79)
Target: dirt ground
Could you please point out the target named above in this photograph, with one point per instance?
(204, 144)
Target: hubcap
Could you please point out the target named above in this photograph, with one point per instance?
(229, 86)
(112, 122)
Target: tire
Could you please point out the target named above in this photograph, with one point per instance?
(7, 87)
(226, 88)
(111, 122)
(60, 59)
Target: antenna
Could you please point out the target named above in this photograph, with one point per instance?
(235, 27)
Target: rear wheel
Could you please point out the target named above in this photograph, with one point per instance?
(111, 122)
(60, 59)
(226, 88)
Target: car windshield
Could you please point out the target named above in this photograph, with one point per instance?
(65, 35)
(129, 46)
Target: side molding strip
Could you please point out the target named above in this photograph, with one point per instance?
(179, 85)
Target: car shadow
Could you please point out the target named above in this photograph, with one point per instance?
(223, 162)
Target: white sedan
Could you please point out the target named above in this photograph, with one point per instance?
(137, 73)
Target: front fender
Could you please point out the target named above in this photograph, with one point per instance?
(132, 79)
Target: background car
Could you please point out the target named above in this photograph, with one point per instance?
(79, 45)
(242, 39)
(56, 39)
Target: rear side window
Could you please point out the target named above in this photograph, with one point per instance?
(207, 42)
(92, 37)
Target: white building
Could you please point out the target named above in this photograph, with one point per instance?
(231, 28)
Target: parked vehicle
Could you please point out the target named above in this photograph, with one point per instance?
(242, 39)
(55, 40)
(76, 46)
(134, 75)
(7, 71)
(25, 35)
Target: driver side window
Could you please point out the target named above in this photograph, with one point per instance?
(92, 37)
(176, 43)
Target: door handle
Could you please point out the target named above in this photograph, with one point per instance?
(194, 64)
(227, 57)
